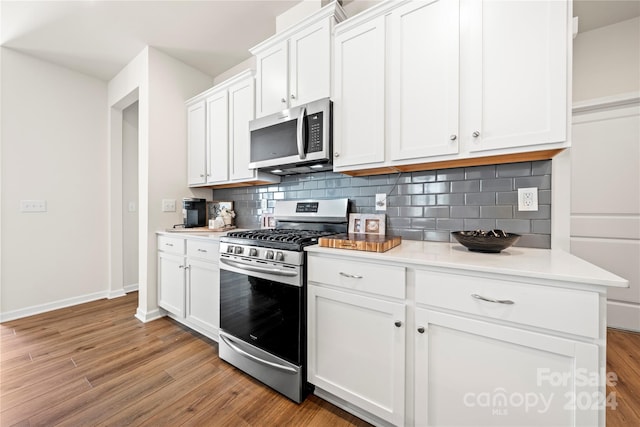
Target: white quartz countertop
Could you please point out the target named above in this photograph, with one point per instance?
(545, 264)
(206, 235)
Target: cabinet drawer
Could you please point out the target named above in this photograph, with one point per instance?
(565, 310)
(172, 245)
(367, 277)
(203, 249)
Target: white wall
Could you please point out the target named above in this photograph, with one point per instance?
(54, 147)
(606, 61)
(605, 156)
(130, 196)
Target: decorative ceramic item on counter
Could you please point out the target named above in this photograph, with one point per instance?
(492, 241)
(227, 216)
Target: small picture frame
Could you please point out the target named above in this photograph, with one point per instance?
(367, 223)
(268, 220)
(214, 208)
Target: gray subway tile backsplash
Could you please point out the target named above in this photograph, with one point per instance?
(421, 205)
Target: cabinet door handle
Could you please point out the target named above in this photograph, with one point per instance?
(336, 154)
(475, 134)
(168, 244)
(293, 96)
(202, 250)
(453, 137)
(351, 276)
(201, 175)
(283, 100)
(397, 323)
(496, 301)
(421, 329)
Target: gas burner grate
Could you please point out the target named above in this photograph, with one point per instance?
(281, 235)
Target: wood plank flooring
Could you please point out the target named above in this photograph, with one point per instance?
(95, 364)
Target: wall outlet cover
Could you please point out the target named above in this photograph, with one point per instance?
(168, 205)
(528, 199)
(33, 205)
(381, 202)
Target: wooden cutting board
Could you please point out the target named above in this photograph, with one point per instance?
(360, 242)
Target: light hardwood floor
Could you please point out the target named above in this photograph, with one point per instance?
(95, 364)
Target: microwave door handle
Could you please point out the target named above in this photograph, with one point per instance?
(301, 152)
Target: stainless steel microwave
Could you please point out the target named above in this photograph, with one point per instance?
(297, 140)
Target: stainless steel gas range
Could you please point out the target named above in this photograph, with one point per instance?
(263, 293)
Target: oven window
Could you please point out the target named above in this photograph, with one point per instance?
(262, 312)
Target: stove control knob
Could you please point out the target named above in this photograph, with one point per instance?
(237, 250)
(279, 256)
(229, 249)
(269, 255)
(253, 252)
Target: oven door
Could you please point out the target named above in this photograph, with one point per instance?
(261, 310)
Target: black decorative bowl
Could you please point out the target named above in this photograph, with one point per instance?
(492, 241)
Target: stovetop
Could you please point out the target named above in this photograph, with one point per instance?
(279, 238)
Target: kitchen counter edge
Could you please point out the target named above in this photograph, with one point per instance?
(545, 264)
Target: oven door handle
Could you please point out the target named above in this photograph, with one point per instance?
(258, 269)
(255, 358)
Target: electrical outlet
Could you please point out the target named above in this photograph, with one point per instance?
(381, 202)
(528, 199)
(33, 205)
(168, 205)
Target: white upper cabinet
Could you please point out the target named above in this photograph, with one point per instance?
(218, 135)
(515, 72)
(424, 63)
(457, 79)
(294, 66)
(196, 135)
(359, 94)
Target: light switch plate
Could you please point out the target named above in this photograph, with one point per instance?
(168, 205)
(33, 205)
(528, 199)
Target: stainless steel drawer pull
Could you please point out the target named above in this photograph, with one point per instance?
(202, 250)
(421, 329)
(497, 301)
(397, 323)
(351, 276)
(168, 244)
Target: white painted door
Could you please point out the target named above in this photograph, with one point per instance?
(203, 295)
(424, 63)
(356, 350)
(474, 373)
(359, 95)
(272, 79)
(196, 142)
(217, 137)
(310, 64)
(241, 111)
(514, 72)
(171, 283)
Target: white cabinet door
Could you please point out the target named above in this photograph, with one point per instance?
(241, 111)
(203, 295)
(272, 79)
(356, 350)
(171, 283)
(474, 373)
(196, 142)
(310, 64)
(217, 137)
(359, 95)
(424, 63)
(514, 72)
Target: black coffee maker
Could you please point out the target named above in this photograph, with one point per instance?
(194, 212)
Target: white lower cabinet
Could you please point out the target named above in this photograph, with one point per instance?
(189, 282)
(358, 350)
(398, 344)
(474, 373)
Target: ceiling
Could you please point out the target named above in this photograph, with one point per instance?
(99, 38)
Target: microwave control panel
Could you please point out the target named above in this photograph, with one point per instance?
(314, 123)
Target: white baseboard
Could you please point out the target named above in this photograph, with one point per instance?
(146, 317)
(623, 315)
(116, 294)
(55, 305)
(131, 288)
